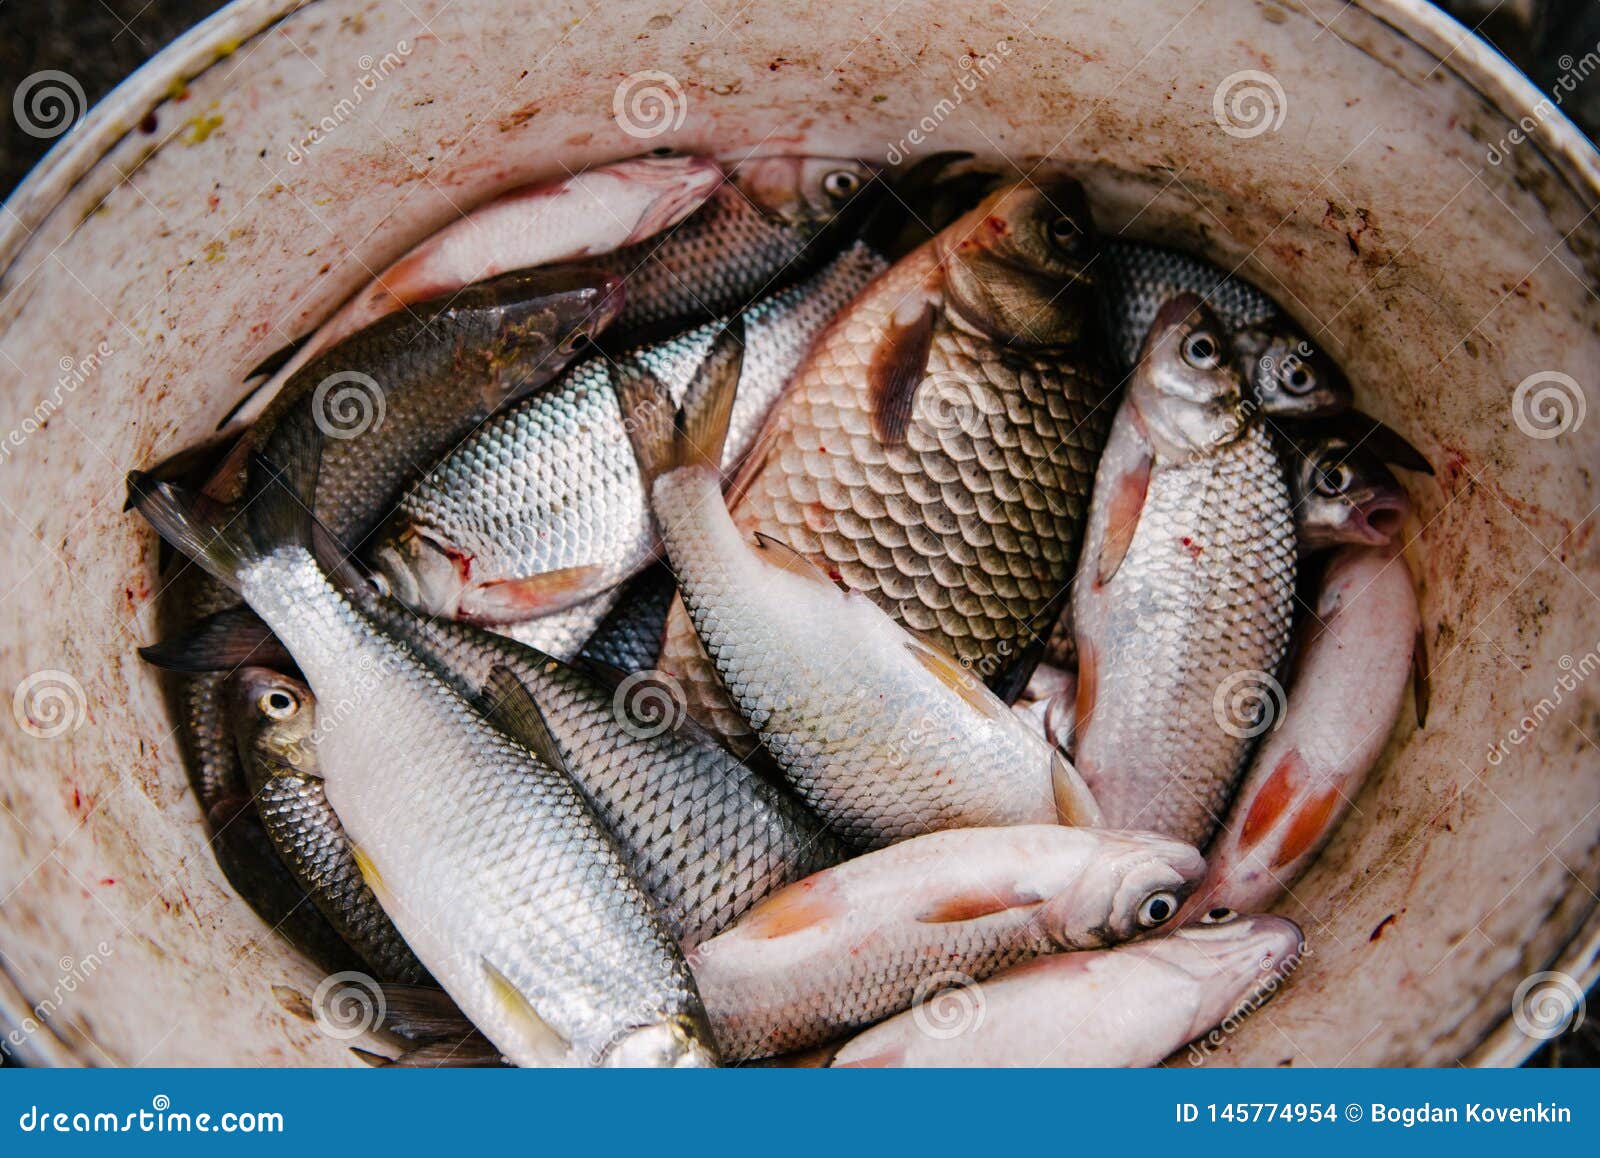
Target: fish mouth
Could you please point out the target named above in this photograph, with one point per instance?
(1376, 520)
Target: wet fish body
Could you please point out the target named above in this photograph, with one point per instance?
(489, 861)
(543, 506)
(1184, 595)
(273, 718)
(1129, 1006)
(860, 941)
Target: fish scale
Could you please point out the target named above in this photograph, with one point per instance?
(552, 484)
(1140, 278)
(1205, 591)
(964, 535)
(705, 835)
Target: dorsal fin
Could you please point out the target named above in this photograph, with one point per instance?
(511, 707)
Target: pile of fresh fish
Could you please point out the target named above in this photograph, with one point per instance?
(692, 614)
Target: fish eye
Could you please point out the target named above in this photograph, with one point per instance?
(1334, 480)
(1157, 909)
(1218, 916)
(840, 184)
(1298, 378)
(277, 704)
(1202, 351)
(1063, 232)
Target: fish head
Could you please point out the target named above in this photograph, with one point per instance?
(414, 566)
(1018, 269)
(1136, 886)
(1343, 493)
(1237, 962)
(674, 187)
(676, 1043)
(805, 193)
(1288, 376)
(274, 720)
(539, 319)
(1185, 388)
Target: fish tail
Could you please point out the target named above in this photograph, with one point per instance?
(276, 510)
(667, 439)
(221, 642)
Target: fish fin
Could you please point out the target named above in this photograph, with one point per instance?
(369, 873)
(1308, 827)
(665, 438)
(784, 557)
(1275, 796)
(271, 364)
(422, 1013)
(1421, 687)
(896, 369)
(516, 600)
(1076, 806)
(222, 548)
(610, 677)
(948, 671)
(220, 642)
(799, 906)
(511, 707)
(978, 903)
(1129, 490)
(283, 485)
(338, 560)
(894, 1057)
(518, 1008)
(472, 1050)
(1011, 680)
(1088, 683)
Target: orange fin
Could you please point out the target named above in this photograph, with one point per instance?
(1127, 504)
(800, 906)
(971, 906)
(513, 600)
(1088, 684)
(958, 679)
(785, 557)
(896, 371)
(892, 1058)
(1310, 825)
(1273, 798)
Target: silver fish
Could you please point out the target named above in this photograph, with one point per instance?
(1343, 493)
(704, 835)
(855, 943)
(274, 722)
(542, 507)
(489, 861)
(1185, 590)
(757, 233)
(1129, 1006)
(883, 735)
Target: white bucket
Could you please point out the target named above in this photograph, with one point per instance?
(145, 271)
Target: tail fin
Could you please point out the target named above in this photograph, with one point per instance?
(276, 510)
(665, 439)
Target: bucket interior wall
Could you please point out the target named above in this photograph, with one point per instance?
(305, 153)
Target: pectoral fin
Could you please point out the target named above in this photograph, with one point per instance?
(511, 707)
(958, 679)
(1127, 504)
(779, 554)
(540, 1038)
(897, 367)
